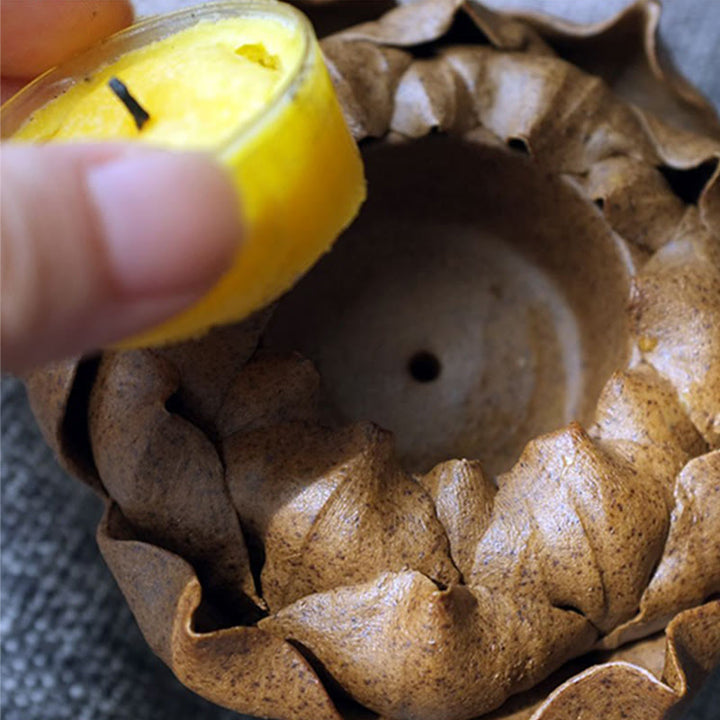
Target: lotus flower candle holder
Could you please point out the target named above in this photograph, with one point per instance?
(534, 284)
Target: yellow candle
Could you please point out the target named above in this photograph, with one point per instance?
(246, 81)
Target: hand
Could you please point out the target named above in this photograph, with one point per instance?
(98, 241)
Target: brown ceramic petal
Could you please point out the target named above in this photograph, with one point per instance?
(689, 569)
(365, 77)
(242, 668)
(676, 297)
(429, 96)
(505, 32)
(319, 500)
(655, 675)
(271, 389)
(645, 655)
(612, 690)
(680, 149)
(463, 499)
(636, 200)
(413, 23)
(404, 647)
(165, 475)
(58, 398)
(639, 417)
(207, 366)
(587, 528)
(693, 647)
(710, 203)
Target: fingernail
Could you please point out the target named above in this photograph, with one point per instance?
(169, 222)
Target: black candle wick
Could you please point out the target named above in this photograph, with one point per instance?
(138, 112)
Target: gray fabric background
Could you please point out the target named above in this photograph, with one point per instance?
(70, 648)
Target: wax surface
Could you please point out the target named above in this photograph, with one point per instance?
(200, 86)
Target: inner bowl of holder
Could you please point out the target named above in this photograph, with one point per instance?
(477, 302)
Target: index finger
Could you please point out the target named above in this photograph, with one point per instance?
(35, 36)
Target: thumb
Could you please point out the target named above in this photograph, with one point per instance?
(102, 241)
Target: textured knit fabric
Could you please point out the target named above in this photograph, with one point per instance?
(70, 647)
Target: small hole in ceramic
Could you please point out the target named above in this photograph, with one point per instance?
(424, 367)
(689, 184)
(519, 145)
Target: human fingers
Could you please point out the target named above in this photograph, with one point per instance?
(38, 34)
(100, 242)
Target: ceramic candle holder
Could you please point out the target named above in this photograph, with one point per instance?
(479, 439)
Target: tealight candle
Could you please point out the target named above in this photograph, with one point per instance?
(245, 81)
